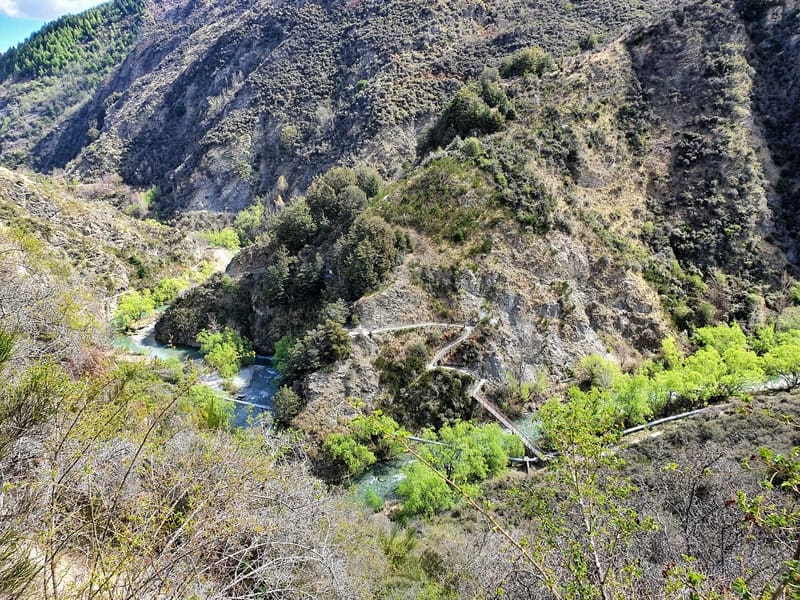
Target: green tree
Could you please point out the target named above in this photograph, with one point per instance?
(132, 307)
(583, 521)
(461, 456)
(782, 361)
(248, 223)
(281, 356)
(343, 448)
(224, 238)
(366, 256)
(275, 283)
(319, 348)
(424, 492)
(286, 405)
(226, 351)
(294, 226)
(335, 198)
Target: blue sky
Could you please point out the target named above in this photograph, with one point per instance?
(13, 30)
(20, 18)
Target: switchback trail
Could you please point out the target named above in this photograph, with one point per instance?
(474, 391)
(490, 407)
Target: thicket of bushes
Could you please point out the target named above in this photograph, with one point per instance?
(725, 362)
(135, 305)
(462, 454)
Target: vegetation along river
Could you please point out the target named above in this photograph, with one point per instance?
(256, 384)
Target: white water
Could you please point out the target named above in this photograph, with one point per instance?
(255, 385)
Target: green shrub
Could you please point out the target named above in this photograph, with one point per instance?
(589, 41)
(476, 109)
(150, 195)
(224, 238)
(142, 270)
(369, 180)
(248, 223)
(596, 371)
(529, 60)
(373, 500)
(6, 345)
(468, 454)
(472, 147)
(289, 136)
(211, 409)
(286, 405)
(168, 288)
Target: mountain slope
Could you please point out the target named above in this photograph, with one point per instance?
(632, 195)
(64, 262)
(46, 78)
(217, 101)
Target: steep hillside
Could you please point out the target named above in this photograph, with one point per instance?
(631, 194)
(218, 102)
(45, 79)
(454, 216)
(775, 56)
(65, 261)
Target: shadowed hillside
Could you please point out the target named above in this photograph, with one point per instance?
(216, 102)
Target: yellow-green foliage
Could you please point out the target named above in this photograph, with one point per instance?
(724, 363)
(168, 288)
(226, 351)
(210, 408)
(248, 223)
(132, 307)
(465, 454)
(355, 456)
(224, 238)
(369, 439)
(135, 305)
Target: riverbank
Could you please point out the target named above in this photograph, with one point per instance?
(251, 389)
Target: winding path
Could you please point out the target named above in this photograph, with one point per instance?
(392, 328)
(474, 391)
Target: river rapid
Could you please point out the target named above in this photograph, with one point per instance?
(256, 384)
